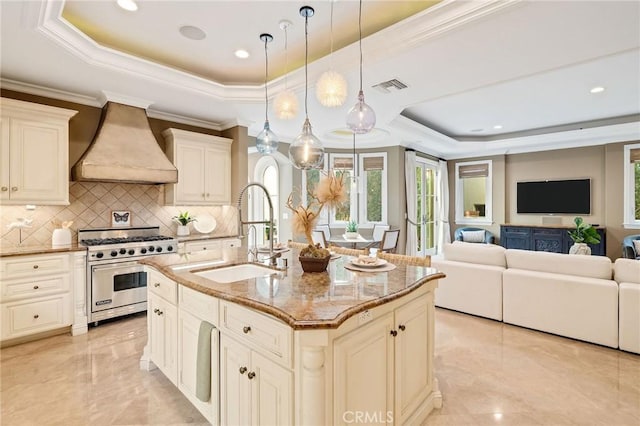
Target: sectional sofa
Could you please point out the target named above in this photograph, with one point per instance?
(582, 297)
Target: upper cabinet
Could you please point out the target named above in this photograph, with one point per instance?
(204, 168)
(34, 153)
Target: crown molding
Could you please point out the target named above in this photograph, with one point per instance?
(46, 92)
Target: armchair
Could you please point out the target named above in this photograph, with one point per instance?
(629, 250)
(459, 235)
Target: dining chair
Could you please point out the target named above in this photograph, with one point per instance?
(319, 237)
(403, 259)
(389, 241)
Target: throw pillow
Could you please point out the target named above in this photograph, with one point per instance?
(473, 236)
(636, 245)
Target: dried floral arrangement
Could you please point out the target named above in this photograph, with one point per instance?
(330, 192)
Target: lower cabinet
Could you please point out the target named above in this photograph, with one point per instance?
(377, 367)
(163, 337)
(540, 238)
(256, 391)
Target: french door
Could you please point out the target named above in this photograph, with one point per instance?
(426, 207)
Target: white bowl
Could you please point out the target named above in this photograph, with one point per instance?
(204, 224)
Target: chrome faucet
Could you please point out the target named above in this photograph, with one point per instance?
(253, 249)
(241, 223)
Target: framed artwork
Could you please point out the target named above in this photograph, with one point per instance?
(120, 218)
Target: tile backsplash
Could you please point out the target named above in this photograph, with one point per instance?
(91, 204)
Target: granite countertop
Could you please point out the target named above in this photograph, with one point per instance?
(39, 249)
(302, 300)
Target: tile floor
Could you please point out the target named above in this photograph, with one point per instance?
(490, 374)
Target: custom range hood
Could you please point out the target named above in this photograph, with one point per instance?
(124, 150)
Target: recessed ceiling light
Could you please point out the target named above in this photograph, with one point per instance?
(597, 89)
(191, 32)
(498, 126)
(242, 54)
(129, 5)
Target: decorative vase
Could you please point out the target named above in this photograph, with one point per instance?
(351, 235)
(182, 230)
(314, 264)
(580, 248)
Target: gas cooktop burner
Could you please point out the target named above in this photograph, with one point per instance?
(122, 240)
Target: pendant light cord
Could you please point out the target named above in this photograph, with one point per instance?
(286, 57)
(360, 32)
(266, 71)
(306, 55)
(331, 26)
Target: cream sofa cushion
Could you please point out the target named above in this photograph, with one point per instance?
(559, 263)
(626, 270)
(627, 274)
(482, 254)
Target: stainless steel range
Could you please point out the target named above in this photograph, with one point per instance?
(116, 283)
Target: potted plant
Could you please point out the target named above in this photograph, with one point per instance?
(329, 191)
(351, 232)
(581, 236)
(183, 219)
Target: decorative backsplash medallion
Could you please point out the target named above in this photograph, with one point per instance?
(91, 204)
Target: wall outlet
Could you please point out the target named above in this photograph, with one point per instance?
(364, 317)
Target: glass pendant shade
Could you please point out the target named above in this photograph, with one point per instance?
(306, 151)
(331, 89)
(361, 118)
(286, 105)
(266, 141)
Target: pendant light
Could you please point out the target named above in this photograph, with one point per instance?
(331, 89)
(266, 141)
(286, 103)
(361, 118)
(306, 151)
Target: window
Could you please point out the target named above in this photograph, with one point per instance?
(632, 186)
(373, 184)
(342, 165)
(310, 179)
(473, 193)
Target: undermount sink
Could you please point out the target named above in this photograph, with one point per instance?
(234, 273)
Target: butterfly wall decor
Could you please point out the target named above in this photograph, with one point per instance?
(120, 218)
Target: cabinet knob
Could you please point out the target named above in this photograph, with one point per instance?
(207, 194)
(394, 333)
(251, 375)
(203, 195)
(36, 316)
(5, 189)
(35, 266)
(246, 329)
(401, 327)
(156, 285)
(155, 311)
(35, 287)
(14, 188)
(160, 312)
(243, 370)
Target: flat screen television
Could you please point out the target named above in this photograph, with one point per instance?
(571, 196)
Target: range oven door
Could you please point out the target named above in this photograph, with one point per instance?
(117, 284)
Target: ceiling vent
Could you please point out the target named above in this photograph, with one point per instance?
(387, 86)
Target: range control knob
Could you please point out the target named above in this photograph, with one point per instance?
(99, 255)
(159, 249)
(114, 253)
(170, 248)
(123, 251)
(131, 252)
(151, 248)
(143, 250)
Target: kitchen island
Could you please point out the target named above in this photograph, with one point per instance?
(289, 347)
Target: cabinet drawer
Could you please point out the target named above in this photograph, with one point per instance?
(158, 284)
(272, 337)
(200, 305)
(231, 243)
(515, 230)
(20, 289)
(34, 266)
(35, 315)
(192, 246)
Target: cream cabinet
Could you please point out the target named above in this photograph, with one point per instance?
(204, 168)
(211, 244)
(375, 366)
(162, 324)
(34, 156)
(40, 293)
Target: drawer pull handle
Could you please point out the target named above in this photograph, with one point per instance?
(14, 188)
(35, 287)
(35, 266)
(5, 189)
(401, 327)
(36, 316)
(251, 375)
(243, 370)
(156, 285)
(393, 333)
(246, 329)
